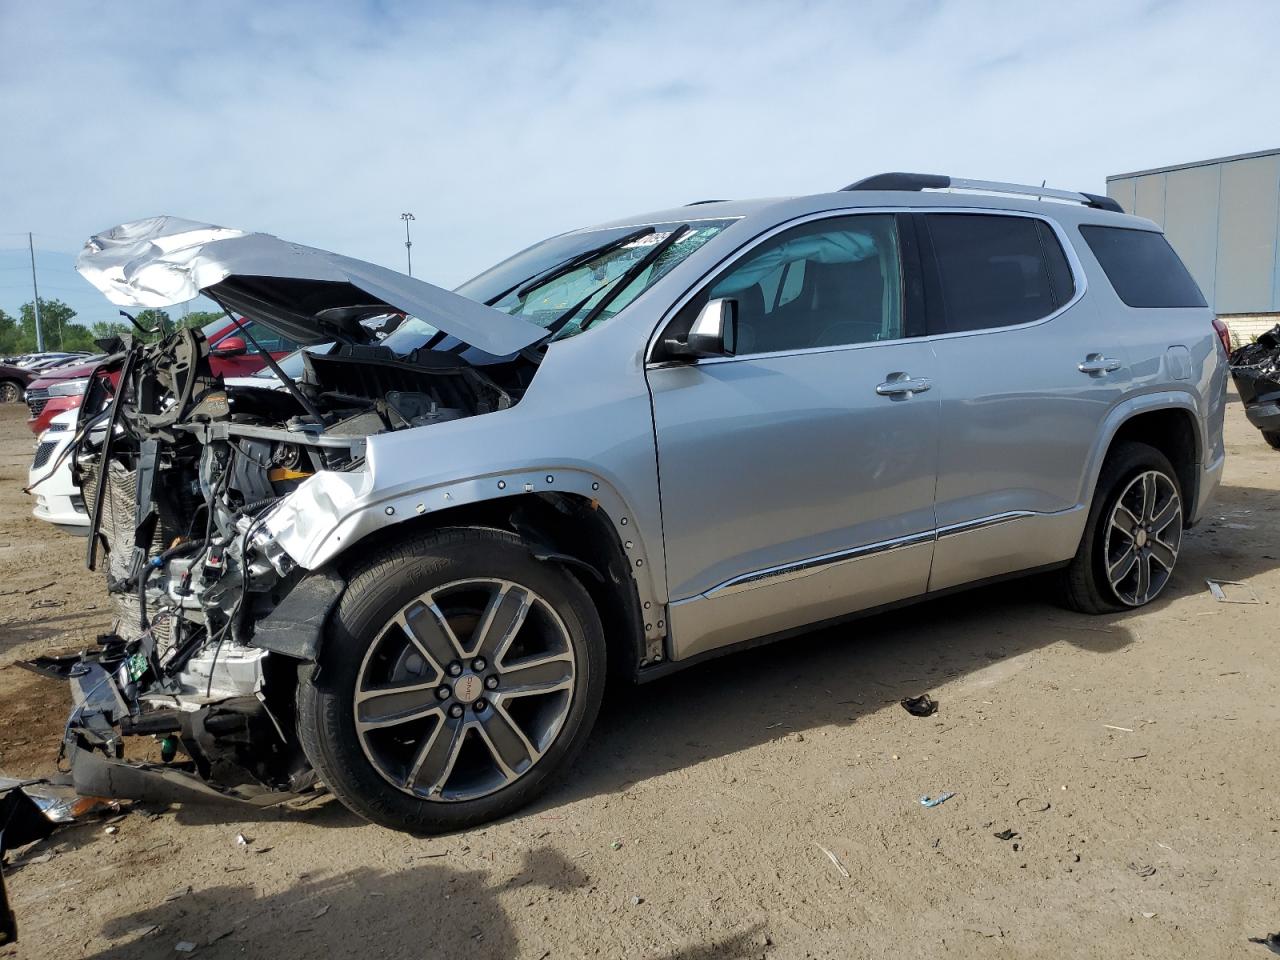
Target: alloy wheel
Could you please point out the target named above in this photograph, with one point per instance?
(1144, 534)
(464, 689)
(10, 393)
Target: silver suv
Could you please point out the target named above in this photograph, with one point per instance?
(406, 571)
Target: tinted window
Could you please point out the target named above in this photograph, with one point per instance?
(828, 283)
(996, 271)
(1142, 267)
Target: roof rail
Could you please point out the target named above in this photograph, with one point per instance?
(933, 181)
(698, 203)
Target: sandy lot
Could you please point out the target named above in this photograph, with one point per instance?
(1133, 756)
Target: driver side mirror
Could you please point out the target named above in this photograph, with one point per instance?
(714, 333)
(230, 347)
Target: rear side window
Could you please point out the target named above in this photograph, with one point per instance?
(1142, 267)
(995, 271)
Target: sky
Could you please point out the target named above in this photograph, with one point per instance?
(499, 123)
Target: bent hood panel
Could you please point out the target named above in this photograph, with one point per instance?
(299, 291)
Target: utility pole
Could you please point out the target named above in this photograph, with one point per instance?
(31, 247)
(408, 253)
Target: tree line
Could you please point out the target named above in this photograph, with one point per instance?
(63, 333)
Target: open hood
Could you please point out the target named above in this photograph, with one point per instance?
(303, 293)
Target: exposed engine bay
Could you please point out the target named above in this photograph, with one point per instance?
(181, 470)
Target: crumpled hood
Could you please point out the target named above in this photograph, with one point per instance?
(303, 293)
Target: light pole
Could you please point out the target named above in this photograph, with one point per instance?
(408, 244)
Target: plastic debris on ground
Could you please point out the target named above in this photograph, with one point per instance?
(58, 802)
(1244, 594)
(832, 857)
(1271, 941)
(1005, 835)
(928, 801)
(921, 706)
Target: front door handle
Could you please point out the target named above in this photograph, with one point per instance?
(900, 386)
(1095, 364)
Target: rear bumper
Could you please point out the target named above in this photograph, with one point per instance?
(1210, 479)
(1264, 416)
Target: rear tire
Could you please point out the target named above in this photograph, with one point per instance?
(1132, 537)
(1273, 438)
(459, 677)
(10, 391)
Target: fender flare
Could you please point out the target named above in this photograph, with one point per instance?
(1126, 410)
(317, 527)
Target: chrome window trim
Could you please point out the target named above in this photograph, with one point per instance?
(782, 573)
(1073, 262)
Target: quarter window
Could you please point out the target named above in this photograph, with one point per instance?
(995, 271)
(823, 284)
(1142, 267)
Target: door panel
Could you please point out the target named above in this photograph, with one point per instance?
(1019, 419)
(767, 462)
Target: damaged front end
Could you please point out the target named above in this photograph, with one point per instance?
(1255, 368)
(182, 472)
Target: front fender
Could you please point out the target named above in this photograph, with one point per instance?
(332, 512)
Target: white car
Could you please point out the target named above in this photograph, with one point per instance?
(58, 498)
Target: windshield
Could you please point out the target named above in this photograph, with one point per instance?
(544, 301)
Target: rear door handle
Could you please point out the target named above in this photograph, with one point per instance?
(1095, 364)
(902, 386)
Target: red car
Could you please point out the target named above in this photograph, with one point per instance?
(229, 354)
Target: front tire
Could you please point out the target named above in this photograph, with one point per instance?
(459, 676)
(1273, 438)
(1132, 538)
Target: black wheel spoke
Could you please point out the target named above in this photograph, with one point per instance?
(543, 675)
(436, 757)
(511, 749)
(1163, 554)
(1124, 520)
(1124, 565)
(1148, 496)
(506, 613)
(426, 626)
(1165, 516)
(1143, 587)
(395, 704)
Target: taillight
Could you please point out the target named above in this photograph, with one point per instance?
(1220, 328)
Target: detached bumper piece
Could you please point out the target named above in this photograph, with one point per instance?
(234, 750)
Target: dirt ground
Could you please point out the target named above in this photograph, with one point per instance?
(767, 805)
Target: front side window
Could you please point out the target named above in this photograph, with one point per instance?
(832, 282)
(995, 271)
(1142, 267)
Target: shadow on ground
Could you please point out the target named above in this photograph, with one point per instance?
(427, 909)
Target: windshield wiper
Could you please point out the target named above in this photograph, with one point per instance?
(619, 283)
(523, 287)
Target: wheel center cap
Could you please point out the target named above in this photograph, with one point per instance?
(468, 688)
(1140, 539)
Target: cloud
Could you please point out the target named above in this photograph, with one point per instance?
(499, 123)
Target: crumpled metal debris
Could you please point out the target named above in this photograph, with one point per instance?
(1255, 369)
